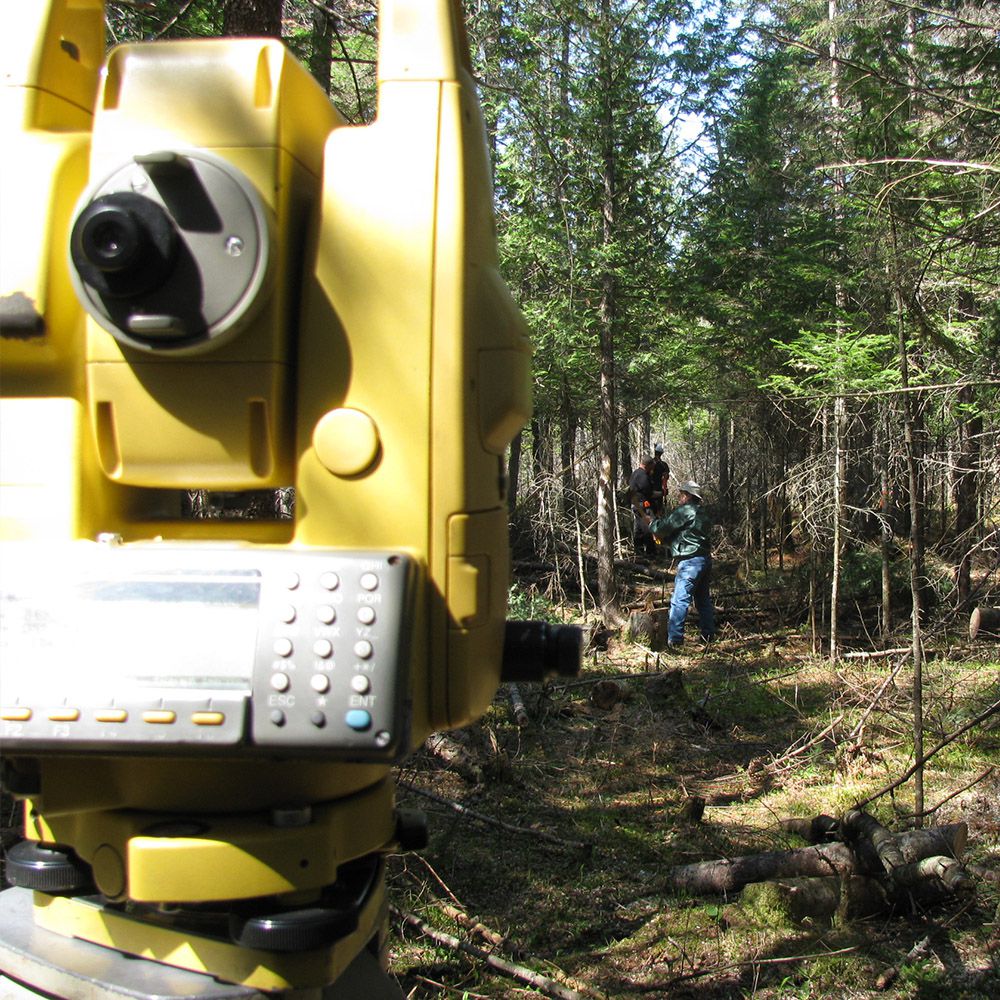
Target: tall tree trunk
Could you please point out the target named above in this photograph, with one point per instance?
(839, 425)
(567, 435)
(725, 476)
(322, 43)
(916, 563)
(967, 477)
(252, 18)
(839, 490)
(886, 532)
(607, 583)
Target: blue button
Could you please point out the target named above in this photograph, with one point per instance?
(359, 719)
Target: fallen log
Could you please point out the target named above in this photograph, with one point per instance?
(856, 825)
(817, 830)
(732, 874)
(949, 840)
(850, 897)
(949, 872)
(453, 755)
(985, 621)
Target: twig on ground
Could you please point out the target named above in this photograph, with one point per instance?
(920, 949)
(667, 984)
(818, 738)
(472, 814)
(547, 986)
(875, 654)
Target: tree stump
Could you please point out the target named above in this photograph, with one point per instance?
(649, 628)
(985, 621)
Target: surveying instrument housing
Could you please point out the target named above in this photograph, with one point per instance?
(210, 282)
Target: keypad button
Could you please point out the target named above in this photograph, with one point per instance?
(280, 681)
(363, 649)
(366, 615)
(358, 719)
(208, 718)
(160, 717)
(320, 683)
(111, 715)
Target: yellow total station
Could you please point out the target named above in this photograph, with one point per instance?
(211, 283)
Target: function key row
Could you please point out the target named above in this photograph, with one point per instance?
(326, 614)
(357, 719)
(320, 683)
(331, 581)
(153, 717)
(323, 648)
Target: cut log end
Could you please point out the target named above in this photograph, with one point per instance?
(984, 622)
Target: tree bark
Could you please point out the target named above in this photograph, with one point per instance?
(967, 477)
(251, 18)
(607, 583)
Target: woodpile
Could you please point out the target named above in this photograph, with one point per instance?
(854, 868)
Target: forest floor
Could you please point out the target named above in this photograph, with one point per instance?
(551, 842)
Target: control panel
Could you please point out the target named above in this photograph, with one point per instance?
(194, 649)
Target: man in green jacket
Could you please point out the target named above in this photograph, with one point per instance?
(687, 530)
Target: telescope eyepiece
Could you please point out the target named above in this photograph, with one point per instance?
(110, 238)
(123, 245)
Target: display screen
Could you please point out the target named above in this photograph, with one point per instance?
(193, 629)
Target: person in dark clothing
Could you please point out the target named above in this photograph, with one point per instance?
(687, 530)
(640, 497)
(658, 478)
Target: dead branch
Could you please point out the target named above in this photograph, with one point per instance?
(517, 705)
(547, 986)
(988, 773)
(987, 874)
(875, 654)
(982, 717)
(818, 738)
(575, 845)
(814, 831)
(473, 926)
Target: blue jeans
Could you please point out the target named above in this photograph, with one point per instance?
(693, 575)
